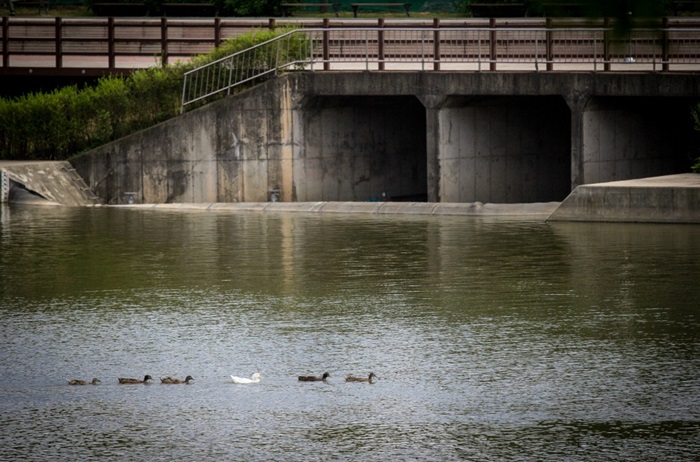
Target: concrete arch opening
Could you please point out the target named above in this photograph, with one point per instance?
(504, 149)
(635, 137)
(361, 148)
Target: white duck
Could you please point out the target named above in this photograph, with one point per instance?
(255, 378)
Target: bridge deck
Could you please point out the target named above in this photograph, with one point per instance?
(95, 46)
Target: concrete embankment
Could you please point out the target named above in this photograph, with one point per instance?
(536, 211)
(663, 199)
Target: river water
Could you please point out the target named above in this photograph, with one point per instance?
(494, 339)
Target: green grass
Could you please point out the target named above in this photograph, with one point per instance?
(59, 11)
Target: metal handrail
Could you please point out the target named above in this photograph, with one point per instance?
(244, 66)
(466, 49)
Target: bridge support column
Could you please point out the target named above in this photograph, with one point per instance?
(432, 105)
(577, 102)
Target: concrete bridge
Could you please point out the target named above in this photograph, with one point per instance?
(435, 133)
(458, 137)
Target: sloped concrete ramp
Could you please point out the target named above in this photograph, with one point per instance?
(661, 199)
(56, 182)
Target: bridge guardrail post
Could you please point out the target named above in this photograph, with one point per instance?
(5, 41)
(380, 45)
(59, 43)
(606, 44)
(664, 45)
(164, 40)
(326, 45)
(111, 54)
(549, 52)
(217, 32)
(436, 44)
(492, 44)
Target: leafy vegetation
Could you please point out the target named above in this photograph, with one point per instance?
(251, 7)
(695, 168)
(66, 121)
(623, 11)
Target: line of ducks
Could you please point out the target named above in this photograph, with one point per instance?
(146, 379)
(166, 380)
(255, 378)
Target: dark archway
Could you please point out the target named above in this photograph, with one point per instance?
(504, 149)
(361, 148)
(634, 137)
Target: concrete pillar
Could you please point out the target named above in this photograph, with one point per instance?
(432, 105)
(577, 103)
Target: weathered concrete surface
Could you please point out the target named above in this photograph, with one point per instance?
(436, 136)
(355, 148)
(664, 199)
(55, 181)
(230, 151)
(535, 211)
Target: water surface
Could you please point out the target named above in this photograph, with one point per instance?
(494, 339)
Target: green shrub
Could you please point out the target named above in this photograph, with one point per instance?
(695, 113)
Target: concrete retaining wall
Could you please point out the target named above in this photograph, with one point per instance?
(230, 151)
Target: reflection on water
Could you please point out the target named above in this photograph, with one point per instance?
(493, 339)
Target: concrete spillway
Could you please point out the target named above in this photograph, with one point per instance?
(48, 182)
(663, 199)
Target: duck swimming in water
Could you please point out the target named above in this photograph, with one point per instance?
(255, 378)
(313, 378)
(95, 381)
(370, 379)
(145, 380)
(171, 380)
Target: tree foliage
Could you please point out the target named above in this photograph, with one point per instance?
(623, 12)
(251, 7)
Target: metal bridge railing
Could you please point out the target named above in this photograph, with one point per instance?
(468, 49)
